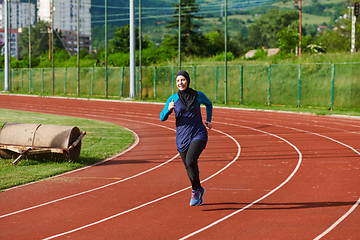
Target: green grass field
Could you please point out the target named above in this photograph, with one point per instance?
(101, 141)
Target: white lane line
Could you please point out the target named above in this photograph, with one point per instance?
(98, 188)
(336, 141)
(156, 200)
(352, 208)
(339, 220)
(259, 199)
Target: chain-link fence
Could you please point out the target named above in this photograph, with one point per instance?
(318, 85)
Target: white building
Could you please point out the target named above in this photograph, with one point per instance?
(65, 19)
(19, 14)
(19, 17)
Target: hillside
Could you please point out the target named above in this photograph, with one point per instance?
(156, 14)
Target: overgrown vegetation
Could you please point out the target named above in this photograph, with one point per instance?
(203, 36)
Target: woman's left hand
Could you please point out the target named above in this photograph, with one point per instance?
(209, 125)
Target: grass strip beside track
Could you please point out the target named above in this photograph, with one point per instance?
(101, 141)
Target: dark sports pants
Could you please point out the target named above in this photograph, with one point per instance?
(190, 160)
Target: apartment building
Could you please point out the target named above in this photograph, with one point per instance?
(19, 14)
(65, 17)
(19, 17)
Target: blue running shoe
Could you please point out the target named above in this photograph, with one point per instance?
(197, 197)
(202, 191)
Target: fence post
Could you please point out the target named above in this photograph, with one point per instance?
(106, 82)
(172, 79)
(332, 85)
(269, 86)
(137, 81)
(12, 80)
(92, 81)
(42, 81)
(241, 85)
(194, 72)
(30, 80)
(65, 84)
(154, 82)
(122, 82)
(216, 83)
(299, 87)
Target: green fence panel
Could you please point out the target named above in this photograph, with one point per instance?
(17, 81)
(126, 82)
(205, 81)
(316, 85)
(71, 81)
(148, 82)
(2, 79)
(233, 81)
(221, 84)
(255, 88)
(59, 80)
(114, 81)
(163, 82)
(85, 81)
(41, 81)
(284, 84)
(347, 86)
(99, 82)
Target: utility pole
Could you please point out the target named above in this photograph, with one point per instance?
(300, 24)
(140, 57)
(226, 51)
(6, 46)
(179, 43)
(49, 31)
(132, 50)
(106, 56)
(355, 13)
(78, 47)
(52, 46)
(29, 41)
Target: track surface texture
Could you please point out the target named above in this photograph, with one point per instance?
(268, 175)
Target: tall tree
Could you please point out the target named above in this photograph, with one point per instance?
(264, 33)
(192, 42)
(121, 40)
(39, 40)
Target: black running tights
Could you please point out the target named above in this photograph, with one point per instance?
(190, 160)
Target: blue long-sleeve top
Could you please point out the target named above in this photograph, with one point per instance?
(189, 124)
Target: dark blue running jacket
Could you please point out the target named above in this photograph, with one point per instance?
(189, 124)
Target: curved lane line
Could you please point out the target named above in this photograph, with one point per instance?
(336, 141)
(339, 220)
(98, 188)
(156, 200)
(136, 141)
(351, 209)
(259, 199)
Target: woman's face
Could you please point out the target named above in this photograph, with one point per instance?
(181, 83)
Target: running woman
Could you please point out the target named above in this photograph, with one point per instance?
(191, 133)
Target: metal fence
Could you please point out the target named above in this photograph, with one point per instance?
(319, 85)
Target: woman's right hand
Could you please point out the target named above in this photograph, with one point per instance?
(171, 105)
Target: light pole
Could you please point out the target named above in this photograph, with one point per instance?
(78, 46)
(106, 56)
(179, 37)
(300, 24)
(132, 50)
(226, 52)
(6, 46)
(140, 48)
(29, 41)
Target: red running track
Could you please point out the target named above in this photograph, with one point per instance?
(268, 175)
